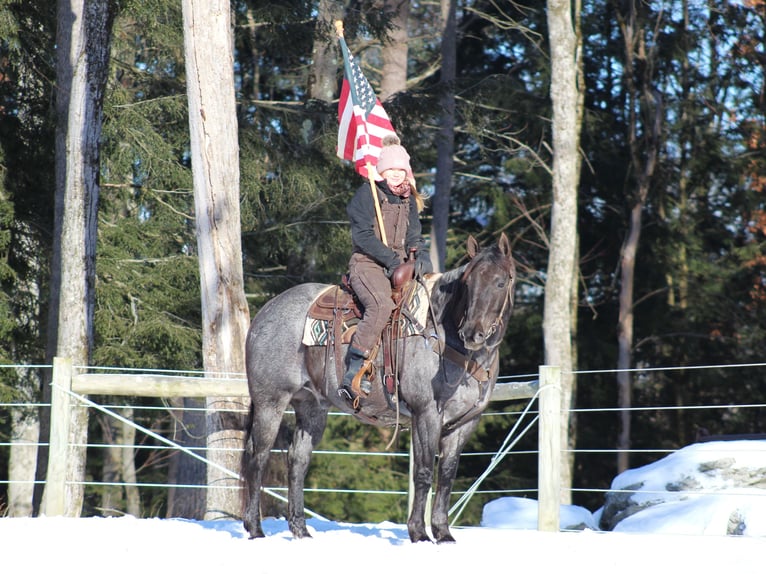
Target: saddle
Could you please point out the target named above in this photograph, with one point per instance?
(334, 314)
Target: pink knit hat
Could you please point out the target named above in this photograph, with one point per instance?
(393, 156)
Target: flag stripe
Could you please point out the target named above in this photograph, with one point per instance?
(362, 120)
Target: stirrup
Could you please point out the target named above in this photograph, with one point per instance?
(347, 394)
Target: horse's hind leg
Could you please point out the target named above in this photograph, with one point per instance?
(261, 430)
(310, 422)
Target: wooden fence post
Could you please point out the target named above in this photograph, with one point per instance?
(54, 501)
(549, 456)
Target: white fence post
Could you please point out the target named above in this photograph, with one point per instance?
(54, 502)
(549, 457)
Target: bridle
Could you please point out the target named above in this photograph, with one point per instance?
(506, 300)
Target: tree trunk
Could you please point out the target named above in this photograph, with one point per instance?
(208, 51)
(323, 80)
(25, 430)
(119, 466)
(112, 501)
(445, 144)
(127, 436)
(27, 249)
(82, 38)
(570, 402)
(184, 469)
(557, 320)
(395, 50)
(645, 118)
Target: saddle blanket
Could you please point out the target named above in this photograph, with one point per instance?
(317, 330)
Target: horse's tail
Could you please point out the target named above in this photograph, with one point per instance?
(247, 452)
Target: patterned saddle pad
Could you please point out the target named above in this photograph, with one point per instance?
(335, 300)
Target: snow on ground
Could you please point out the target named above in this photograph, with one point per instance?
(130, 545)
(685, 533)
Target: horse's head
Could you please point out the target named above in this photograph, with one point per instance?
(487, 284)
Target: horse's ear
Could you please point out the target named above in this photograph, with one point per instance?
(472, 247)
(504, 244)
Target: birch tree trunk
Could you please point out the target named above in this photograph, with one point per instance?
(208, 48)
(83, 41)
(558, 320)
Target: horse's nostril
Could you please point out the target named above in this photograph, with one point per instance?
(476, 338)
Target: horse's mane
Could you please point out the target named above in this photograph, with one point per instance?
(445, 291)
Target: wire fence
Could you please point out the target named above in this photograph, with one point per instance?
(517, 449)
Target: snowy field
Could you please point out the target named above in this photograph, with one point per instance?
(131, 546)
(674, 532)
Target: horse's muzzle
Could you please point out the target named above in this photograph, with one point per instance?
(473, 339)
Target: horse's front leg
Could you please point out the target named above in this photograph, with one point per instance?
(426, 428)
(310, 422)
(450, 448)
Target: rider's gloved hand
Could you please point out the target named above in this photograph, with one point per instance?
(423, 266)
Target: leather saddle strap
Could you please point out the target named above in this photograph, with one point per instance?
(470, 366)
(336, 333)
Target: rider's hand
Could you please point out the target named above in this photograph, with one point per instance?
(423, 266)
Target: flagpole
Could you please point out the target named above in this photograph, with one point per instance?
(378, 214)
(370, 176)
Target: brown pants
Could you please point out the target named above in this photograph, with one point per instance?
(373, 288)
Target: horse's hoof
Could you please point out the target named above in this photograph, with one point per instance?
(446, 540)
(254, 529)
(256, 534)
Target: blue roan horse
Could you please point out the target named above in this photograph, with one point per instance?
(446, 377)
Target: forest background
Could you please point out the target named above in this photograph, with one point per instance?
(672, 134)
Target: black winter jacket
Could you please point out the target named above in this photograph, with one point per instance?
(361, 214)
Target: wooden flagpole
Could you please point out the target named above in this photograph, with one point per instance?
(378, 214)
(370, 176)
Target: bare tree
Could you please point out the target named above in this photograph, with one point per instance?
(644, 129)
(208, 49)
(558, 318)
(83, 41)
(188, 430)
(445, 143)
(119, 466)
(395, 49)
(323, 79)
(26, 422)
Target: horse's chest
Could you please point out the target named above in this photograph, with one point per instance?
(464, 401)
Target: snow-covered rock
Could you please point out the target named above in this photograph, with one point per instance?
(724, 482)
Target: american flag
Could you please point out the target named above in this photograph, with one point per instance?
(363, 123)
